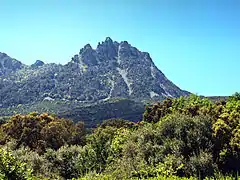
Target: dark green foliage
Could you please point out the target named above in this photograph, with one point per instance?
(221, 132)
(11, 168)
(90, 113)
(100, 143)
(64, 161)
(3, 120)
(184, 137)
(115, 108)
(157, 111)
(201, 164)
(194, 133)
(117, 123)
(39, 132)
(174, 140)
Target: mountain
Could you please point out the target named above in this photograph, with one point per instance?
(8, 64)
(112, 70)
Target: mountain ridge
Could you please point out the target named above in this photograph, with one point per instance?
(113, 69)
(8, 64)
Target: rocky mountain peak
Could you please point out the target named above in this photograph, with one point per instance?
(125, 43)
(2, 55)
(111, 70)
(108, 40)
(87, 48)
(127, 69)
(38, 63)
(87, 56)
(106, 50)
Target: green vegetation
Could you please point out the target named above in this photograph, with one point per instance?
(11, 168)
(91, 113)
(185, 138)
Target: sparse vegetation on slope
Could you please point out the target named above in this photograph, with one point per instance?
(91, 114)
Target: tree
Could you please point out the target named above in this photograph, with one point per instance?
(39, 132)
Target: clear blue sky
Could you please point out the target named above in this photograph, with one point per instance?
(196, 43)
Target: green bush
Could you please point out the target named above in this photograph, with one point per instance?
(32, 159)
(188, 137)
(66, 159)
(116, 122)
(11, 168)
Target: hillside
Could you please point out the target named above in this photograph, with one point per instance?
(92, 114)
(112, 70)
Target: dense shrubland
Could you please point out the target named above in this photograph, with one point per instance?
(184, 138)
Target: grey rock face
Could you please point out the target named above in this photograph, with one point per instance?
(37, 63)
(113, 69)
(8, 64)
